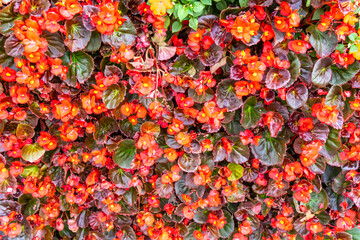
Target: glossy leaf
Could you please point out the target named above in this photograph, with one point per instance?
(270, 151)
(114, 95)
(226, 95)
(324, 43)
(32, 152)
(342, 75)
(56, 47)
(80, 67)
(251, 112)
(105, 127)
(7, 19)
(126, 33)
(322, 73)
(77, 36)
(297, 96)
(125, 153)
(277, 78)
(236, 171)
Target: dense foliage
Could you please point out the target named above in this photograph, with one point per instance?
(179, 120)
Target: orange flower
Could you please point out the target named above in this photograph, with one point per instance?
(310, 152)
(355, 105)
(170, 154)
(145, 85)
(344, 30)
(4, 173)
(159, 7)
(283, 223)
(188, 213)
(126, 110)
(299, 46)
(69, 8)
(14, 229)
(325, 114)
(183, 138)
(255, 71)
(281, 24)
(64, 110)
(108, 18)
(8, 75)
(19, 94)
(314, 227)
(305, 124)
(194, 39)
(245, 27)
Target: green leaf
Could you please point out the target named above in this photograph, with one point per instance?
(95, 42)
(5, 60)
(197, 7)
(80, 66)
(226, 95)
(30, 205)
(128, 129)
(297, 96)
(270, 151)
(354, 48)
(251, 112)
(204, 97)
(228, 227)
(32, 152)
(342, 75)
(81, 233)
(206, 2)
(182, 64)
(236, 171)
(105, 127)
(322, 73)
(355, 233)
(128, 233)
(7, 18)
(56, 47)
(340, 47)
(189, 162)
(31, 170)
(244, 3)
(277, 78)
(77, 36)
(114, 95)
(306, 68)
(221, 5)
(24, 131)
(353, 36)
(332, 144)
(130, 196)
(183, 12)
(294, 68)
(176, 26)
(14, 47)
(193, 23)
(323, 43)
(120, 177)
(239, 153)
(125, 153)
(126, 33)
(334, 97)
(150, 128)
(317, 14)
(317, 199)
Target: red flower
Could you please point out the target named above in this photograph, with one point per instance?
(283, 223)
(299, 46)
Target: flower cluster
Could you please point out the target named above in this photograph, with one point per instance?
(192, 119)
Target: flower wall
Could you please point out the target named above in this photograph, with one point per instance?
(179, 119)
